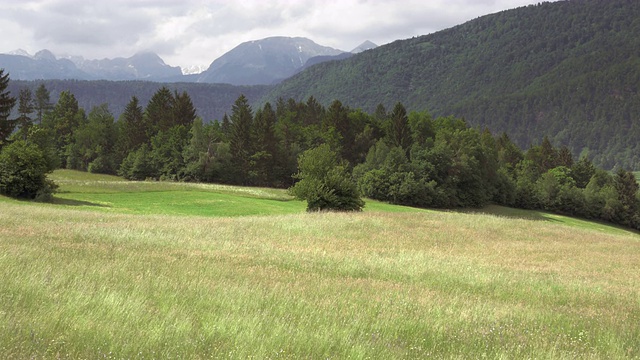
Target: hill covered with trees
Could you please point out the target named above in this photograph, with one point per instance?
(212, 101)
(568, 70)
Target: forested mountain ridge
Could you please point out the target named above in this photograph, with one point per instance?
(568, 70)
(212, 101)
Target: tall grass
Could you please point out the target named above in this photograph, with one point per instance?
(80, 282)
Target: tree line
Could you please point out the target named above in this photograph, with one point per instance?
(329, 156)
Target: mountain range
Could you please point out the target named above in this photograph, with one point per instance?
(259, 62)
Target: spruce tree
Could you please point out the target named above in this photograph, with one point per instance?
(133, 127)
(25, 109)
(399, 131)
(184, 113)
(6, 104)
(64, 120)
(240, 140)
(42, 102)
(159, 115)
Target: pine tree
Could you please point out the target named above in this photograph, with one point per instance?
(42, 102)
(25, 109)
(399, 131)
(266, 145)
(159, 115)
(6, 104)
(184, 113)
(64, 120)
(627, 187)
(225, 128)
(548, 155)
(132, 127)
(240, 144)
(337, 130)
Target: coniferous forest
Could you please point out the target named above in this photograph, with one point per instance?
(330, 156)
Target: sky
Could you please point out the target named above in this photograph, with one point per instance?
(196, 32)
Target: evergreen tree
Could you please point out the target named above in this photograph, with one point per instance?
(25, 109)
(6, 104)
(564, 157)
(133, 131)
(63, 120)
(582, 171)
(184, 113)
(548, 155)
(399, 132)
(314, 112)
(263, 161)
(42, 102)
(159, 114)
(226, 127)
(338, 130)
(627, 187)
(241, 144)
(93, 147)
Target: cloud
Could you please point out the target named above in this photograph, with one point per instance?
(197, 31)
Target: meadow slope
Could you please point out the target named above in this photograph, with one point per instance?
(101, 275)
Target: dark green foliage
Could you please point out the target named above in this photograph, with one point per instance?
(25, 109)
(93, 147)
(627, 188)
(6, 104)
(566, 69)
(184, 113)
(23, 172)
(325, 183)
(398, 131)
(138, 165)
(582, 171)
(263, 162)
(240, 141)
(159, 114)
(42, 102)
(65, 118)
(132, 126)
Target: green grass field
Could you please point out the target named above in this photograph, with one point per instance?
(117, 269)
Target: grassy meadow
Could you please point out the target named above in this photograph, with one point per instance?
(143, 270)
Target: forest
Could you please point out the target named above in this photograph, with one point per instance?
(408, 158)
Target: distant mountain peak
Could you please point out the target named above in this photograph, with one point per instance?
(20, 52)
(264, 61)
(367, 45)
(45, 55)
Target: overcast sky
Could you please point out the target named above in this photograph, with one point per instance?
(196, 32)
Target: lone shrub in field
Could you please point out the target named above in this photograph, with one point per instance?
(23, 172)
(325, 183)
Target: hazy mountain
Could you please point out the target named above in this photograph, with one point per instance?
(45, 65)
(264, 61)
(367, 45)
(141, 66)
(566, 69)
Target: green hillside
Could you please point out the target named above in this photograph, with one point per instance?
(96, 276)
(568, 70)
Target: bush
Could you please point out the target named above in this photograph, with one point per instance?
(23, 172)
(324, 183)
